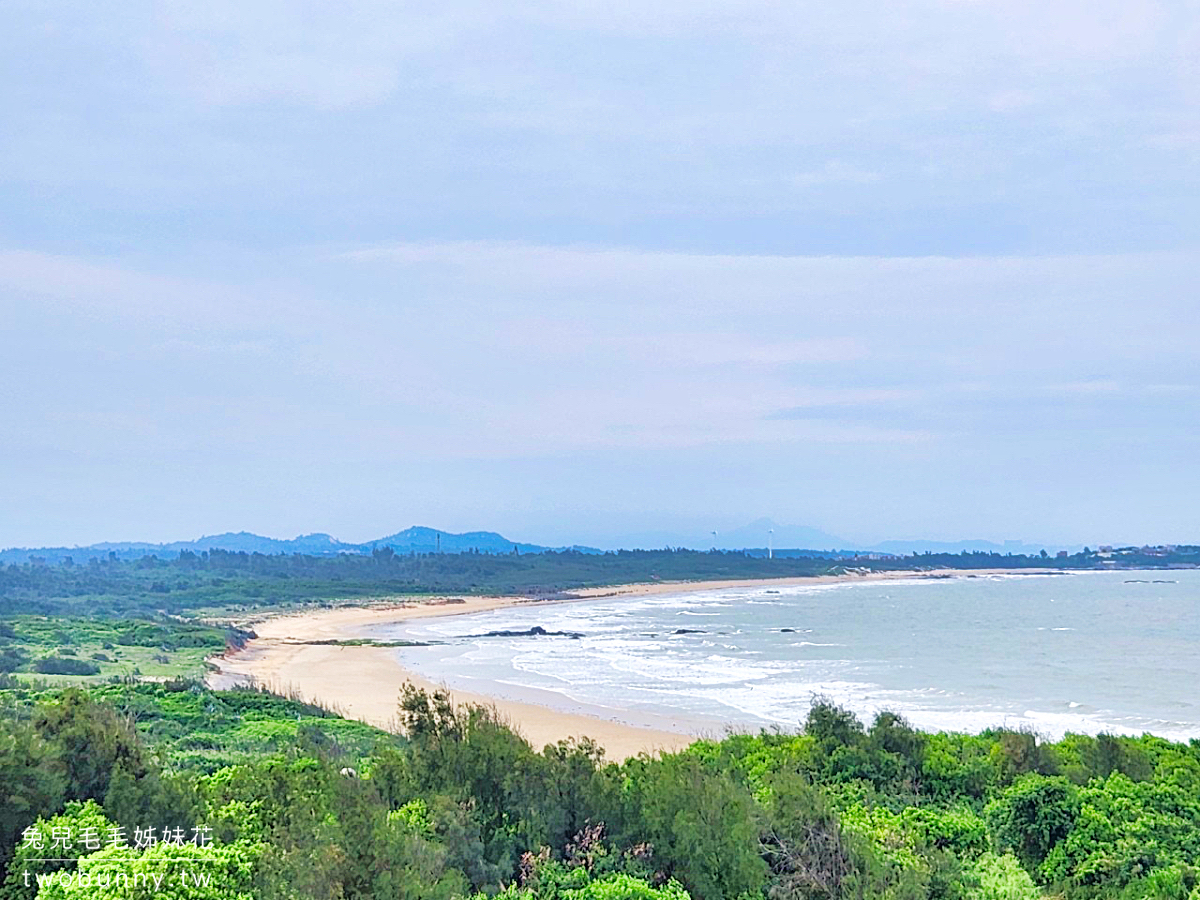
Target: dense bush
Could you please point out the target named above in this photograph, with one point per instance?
(59, 665)
(303, 804)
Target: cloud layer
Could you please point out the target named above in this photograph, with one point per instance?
(571, 269)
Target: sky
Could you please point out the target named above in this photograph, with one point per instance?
(573, 271)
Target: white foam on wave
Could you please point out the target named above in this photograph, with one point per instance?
(630, 654)
(784, 703)
(616, 662)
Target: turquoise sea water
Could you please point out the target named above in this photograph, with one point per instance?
(1082, 652)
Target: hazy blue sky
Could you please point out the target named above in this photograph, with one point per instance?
(568, 270)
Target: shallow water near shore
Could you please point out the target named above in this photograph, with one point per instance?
(1087, 652)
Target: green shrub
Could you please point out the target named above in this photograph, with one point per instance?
(57, 665)
(995, 877)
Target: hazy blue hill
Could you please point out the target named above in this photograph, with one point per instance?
(236, 542)
(1014, 547)
(753, 535)
(420, 539)
(793, 540)
(417, 539)
(245, 542)
(799, 537)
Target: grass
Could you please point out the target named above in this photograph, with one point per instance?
(200, 729)
(119, 649)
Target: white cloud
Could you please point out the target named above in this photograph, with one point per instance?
(421, 364)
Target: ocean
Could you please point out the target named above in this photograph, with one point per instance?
(1086, 652)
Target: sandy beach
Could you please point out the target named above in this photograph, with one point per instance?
(363, 682)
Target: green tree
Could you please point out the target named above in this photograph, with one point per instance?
(703, 827)
(31, 782)
(808, 853)
(90, 741)
(49, 854)
(1032, 816)
(162, 872)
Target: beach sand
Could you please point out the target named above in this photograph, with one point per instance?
(363, 682)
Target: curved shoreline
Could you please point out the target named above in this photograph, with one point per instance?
(363, 681)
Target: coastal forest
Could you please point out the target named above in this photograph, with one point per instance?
(171, 790)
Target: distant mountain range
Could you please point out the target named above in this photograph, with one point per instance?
(756, 534)
(419, 539)
(761, 533)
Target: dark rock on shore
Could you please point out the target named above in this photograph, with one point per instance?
(535, 631)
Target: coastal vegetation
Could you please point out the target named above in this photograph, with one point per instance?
(292, 801)
(104, 647)
(223, 580)
(107, 730)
